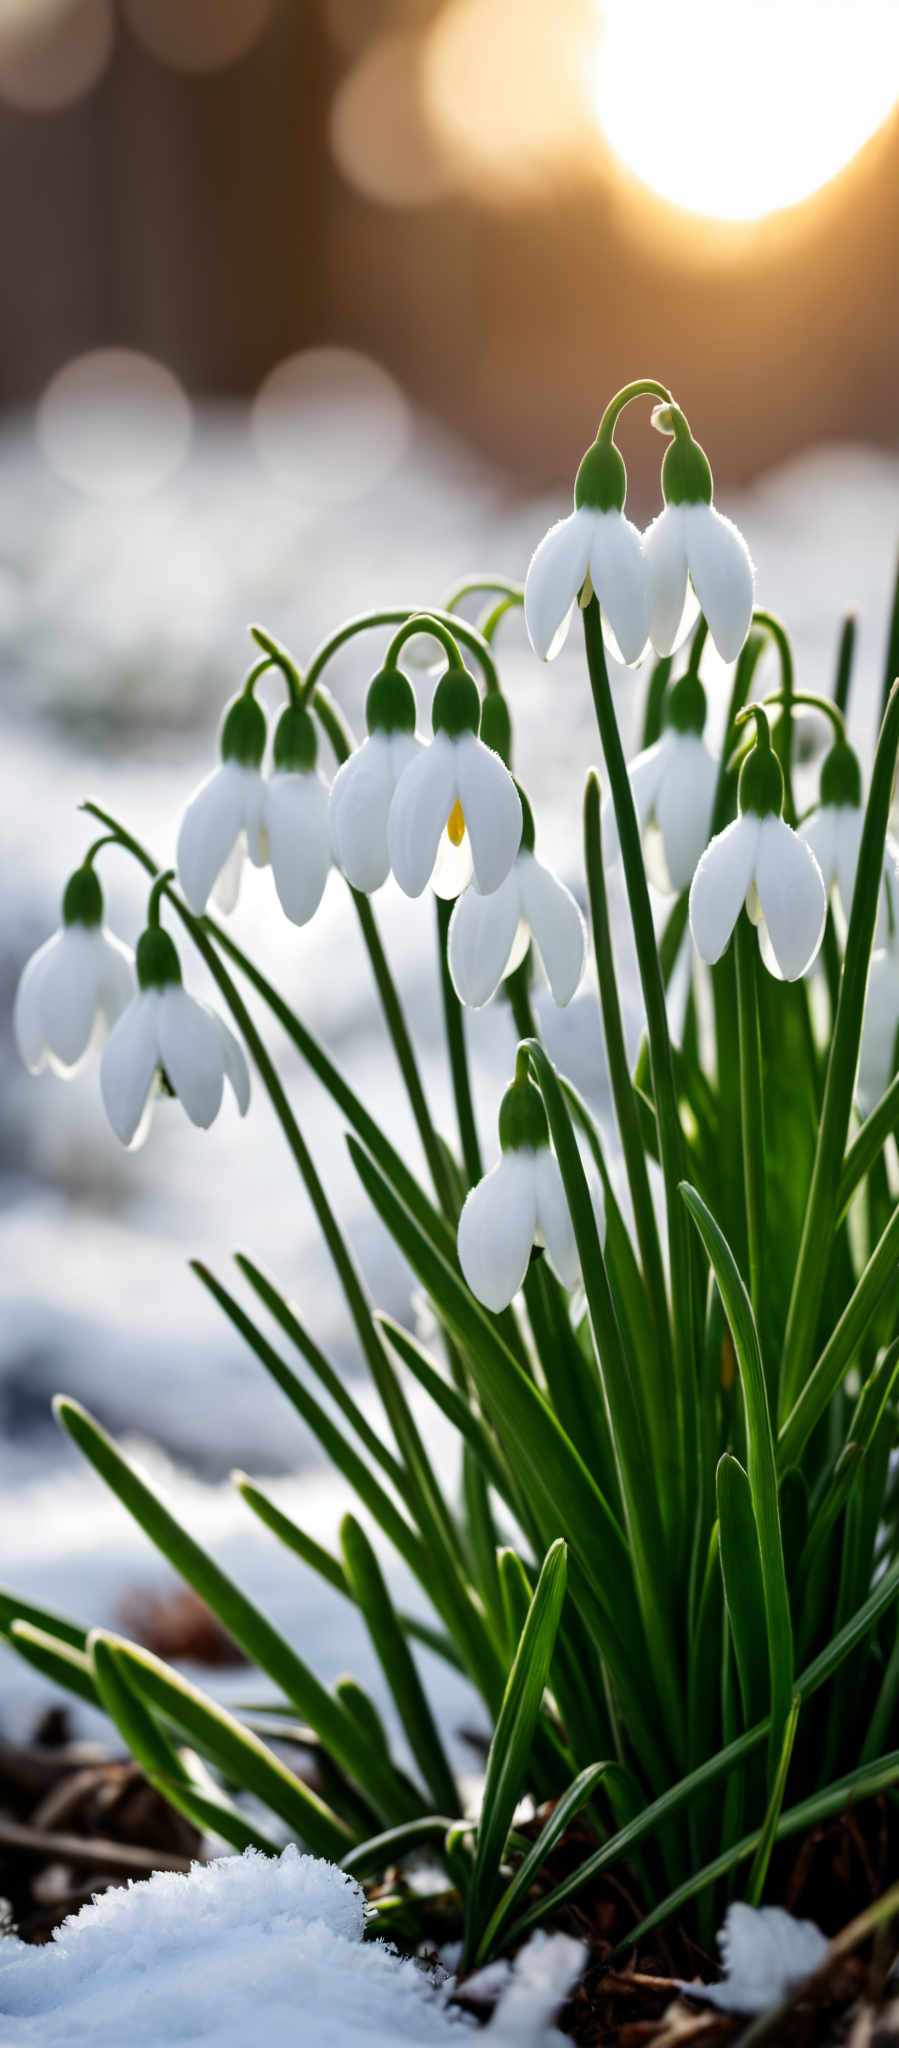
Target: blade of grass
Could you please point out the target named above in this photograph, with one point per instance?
(392, 1650)
(741, 1571)
(841, 1346)
(576, 1796)
(755, 1883)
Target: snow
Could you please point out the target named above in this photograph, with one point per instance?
(249, 1948)
(765, 1953)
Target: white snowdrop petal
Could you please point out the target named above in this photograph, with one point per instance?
(850, 819)
(554, 1218)
(357, 813)
(722, 575)
(492, 808)
(720, 885)
(209, 828)
(226, 887)
(683, 805)
(557, 926)
(619, 573)
(452, 870)
(296, 820)
(482, 933)
(422, 801)
(792, 896)
(115, 978)
(190, 1050)
(645, 774)
(665, 550)
(557, 570)
(128, 1064)
(496, 1230)
(819, 831)
(235, 1065)
(28, 1024)
(255, 805)
(68, 995)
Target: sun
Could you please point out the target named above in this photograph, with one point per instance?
(736, 108)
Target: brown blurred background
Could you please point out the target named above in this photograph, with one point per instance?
(222, 183)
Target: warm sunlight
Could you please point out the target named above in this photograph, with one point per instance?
(735, 110)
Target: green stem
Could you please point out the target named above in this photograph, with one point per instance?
(423, 622)
(642, 387)
(660, 1054)
(845, 656)
(891, 659)
(458, 1056)
(752, 1103)
(784, 737)
(475, 586)
(396, 615)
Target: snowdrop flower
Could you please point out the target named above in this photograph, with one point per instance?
(765, 1952)
(674, 783)
(760, 862)
(834, 831)
(697, 558)
(877, 1061)
(595, 550)
(459, 784)
(489, 935)
(75, 986)
(237, 814)
(167, 1042)
(362, 790)
(520, 1203)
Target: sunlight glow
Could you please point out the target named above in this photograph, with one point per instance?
(735, 110)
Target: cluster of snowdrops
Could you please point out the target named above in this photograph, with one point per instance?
(446, 811)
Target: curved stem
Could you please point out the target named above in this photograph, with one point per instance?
(106, 839)
(474, 586)
(396, 615)
(458, 1056)
(277, 657)
(752, 1102)
(642, 387)
(423, 622)
(784, 743)
(825, 705)
(493, 618)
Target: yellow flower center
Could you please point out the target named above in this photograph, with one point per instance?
(455, 824)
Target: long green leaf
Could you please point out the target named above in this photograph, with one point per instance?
(841, 1345)
(565, 1810)
(506, 1775)
(392, 1650)
(446, 1397)
(55, 1659)
(243, 1621)
(375, 1855)
(744, 1594)
(762, 1468)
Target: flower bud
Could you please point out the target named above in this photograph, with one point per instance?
(601, 481)
(295, 744)
(82, 901)
(522, 1118)
(457, 705)
(156, 960)
(841, 776)
(496, 726)
(244, 732)
(390, 703)
(761, 787)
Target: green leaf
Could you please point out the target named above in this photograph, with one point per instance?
(741, 1572)
(243, 1621)
(392, 1650)
(162, 1764)
(507, 1763)
(54, 1659)
(841, 1345)
(762, 1469)
(755, 1884)
(446, 1397)
(380, 1851)
(242, 1756)
(574, 1798)
(41, 1618)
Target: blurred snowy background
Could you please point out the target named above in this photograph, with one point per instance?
(238, 384)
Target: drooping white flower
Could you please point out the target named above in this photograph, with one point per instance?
(765, 1952)
(458, 785)
(167, 1042)
(760, 862)
(75, 986)
(237, 814)
(489, 935)
(673, 783)
(698, 560)
(595, 551)
(362, 790)
(833, 830)
(877, 1061)
(520, 1203)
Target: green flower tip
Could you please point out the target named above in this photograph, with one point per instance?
(82, 901)
(390, 703)
(761, 786)
(685, 704)
(601, 481)
(244, 732)
(528, 834)
(522, 1118)
(157, 962)
(686, 473)
(841, 776)
(496, 726)
(457, 706)
(295, 744)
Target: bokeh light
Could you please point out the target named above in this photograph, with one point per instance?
(328, 425)
(508, 86)
(114, 423)
(52, 52)
(381, 136)
(197, 35)
(737, 110)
